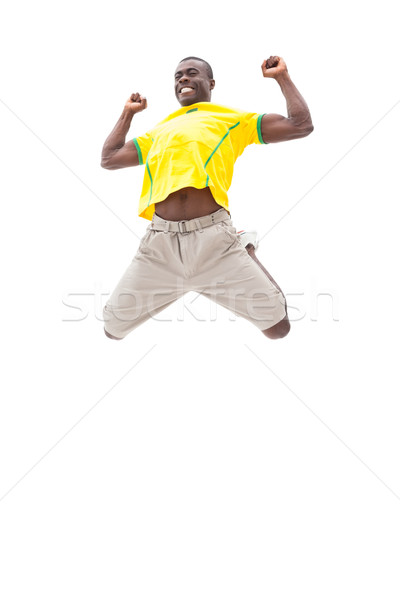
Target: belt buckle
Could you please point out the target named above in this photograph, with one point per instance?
(182, 227)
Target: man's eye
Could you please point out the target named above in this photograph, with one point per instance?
(191, 73)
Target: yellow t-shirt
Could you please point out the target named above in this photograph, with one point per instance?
(196, 146)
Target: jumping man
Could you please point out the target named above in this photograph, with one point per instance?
(191, 243)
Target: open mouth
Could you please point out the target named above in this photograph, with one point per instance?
(186, 90)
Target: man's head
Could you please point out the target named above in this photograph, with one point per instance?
(193, 81)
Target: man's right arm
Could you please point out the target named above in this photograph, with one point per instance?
(117, 154)
(298, 124)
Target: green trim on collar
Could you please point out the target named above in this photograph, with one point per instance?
(191, 110)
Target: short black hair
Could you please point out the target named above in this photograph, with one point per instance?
(208, 67)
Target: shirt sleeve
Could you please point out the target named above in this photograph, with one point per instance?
(143, 145)
(252, 128)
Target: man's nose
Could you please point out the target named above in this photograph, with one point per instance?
(183, 78)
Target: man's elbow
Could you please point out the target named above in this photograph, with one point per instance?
(107, 164)
(309, 129)
(304, 130)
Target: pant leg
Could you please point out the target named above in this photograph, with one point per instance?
(152, 282)
(234, 280)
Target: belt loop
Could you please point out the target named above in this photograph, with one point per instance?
(198, 225)
(182, 227)
(166, 226)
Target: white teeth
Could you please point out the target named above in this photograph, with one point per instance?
(186, 89)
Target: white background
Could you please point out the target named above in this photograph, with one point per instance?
(198, 459)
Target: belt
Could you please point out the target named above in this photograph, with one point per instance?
(160, 224)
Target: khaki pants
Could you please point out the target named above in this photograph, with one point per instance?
(203, 255)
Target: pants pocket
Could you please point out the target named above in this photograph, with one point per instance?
(229, 231)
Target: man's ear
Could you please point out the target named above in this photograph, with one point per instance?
(212, 84)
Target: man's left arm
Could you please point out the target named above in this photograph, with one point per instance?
(298, 124)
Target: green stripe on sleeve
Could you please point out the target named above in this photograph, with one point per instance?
(138, 151)
(260, 139)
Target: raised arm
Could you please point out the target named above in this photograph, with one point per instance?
(117, 154)
(298, 124)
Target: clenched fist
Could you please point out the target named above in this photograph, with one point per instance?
(136, 103)
(273, 67)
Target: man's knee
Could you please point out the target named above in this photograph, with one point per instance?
(112, 337)
(280, 330)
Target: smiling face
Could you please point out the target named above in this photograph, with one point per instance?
(192, 83)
